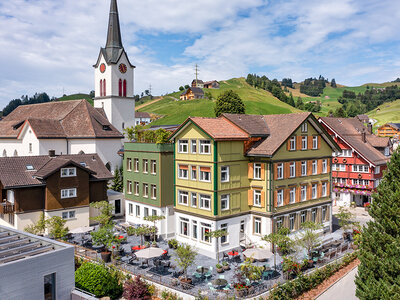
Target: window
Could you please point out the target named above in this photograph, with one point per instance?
(104, 88)
(205, 147)
(387, 152)
(334, 166)
(279, 222)
(153, 165)
(224, 239)
(324, 166)
(377, 169)
(184, 228)
(205, 202)
(303, 193)
(279, 171)
(314, 191)
(193, 174)
(224, 174)
(129, 186)
(124, 86)
(361, 168)
(303, 216)
(130, 209)
(345, 153)
(303, 168)
(129, 164)
(292, 217)
(205, 229)
(145, 166)
(145, 190)
(183, 172)
(323, 213)
(153, 191)
(292, 143)
(68, 193)
(30, 167)
(292, 169)
(324, 189)
(68, 215)
(194, 229)
(193, 144)
(314, 167)
(257, 226)
(257, 198)
(136, 164)
(146, 212)
(292, 195)
(205, 174)
(193, 197)
(342, 167)
(153, 212)
(137, 211)
(257, 171)
(183, 197)
(136, 186)
(279, 200)
(315, 142)
(304, 142)
(183, 146)
(30, 148)
(304, 127)
(224, 202)
(314, 215)
(360, 182)
(50, 287)
(120, 88)
(68, 172)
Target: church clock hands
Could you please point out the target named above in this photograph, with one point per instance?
(122, 68)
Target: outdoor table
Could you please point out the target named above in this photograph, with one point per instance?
(202, 270)
(219, 283)
(138, 247)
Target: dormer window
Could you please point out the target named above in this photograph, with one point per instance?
(83, 164)
(106, 127)
(30, 167)
(68, 172)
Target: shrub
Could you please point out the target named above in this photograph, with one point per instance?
(166, 295)
(136, 289)
(98, 280)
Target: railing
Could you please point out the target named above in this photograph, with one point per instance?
(7, 208)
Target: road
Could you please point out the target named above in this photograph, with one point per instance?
(344, 289)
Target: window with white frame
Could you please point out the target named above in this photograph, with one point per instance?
(129, 164)
(146, 212)
(303, 193)
(193, 146)
(334, 167)
(136, 188)
(315, 142)
(345, 153)
(137, 211)
(184, 226)
(292, 143)
(205, 174)
(314, 215)
(183, 171)
(257, 198)
(314, 167)
(292, 169)
(153, 191)
(205, 202)
(387, 151)
(292, 195)
(314, 190)
(279, 222)
(257, 225)
(360, 181)
(145, 166)
(303, 168)
(224, 238)
(183, 146)
(145, 190)
(304, 142)
(153, 164)
(136, 164)
(129, 186)
(361, 168)
(67, 215)
(324, 189)
(303, 216)
(279, 168)
(377, 182)
(341, 167)
(193, 172)
(205, 147)
(68, 193)
(224, 202)
(279, 196)
(257, 171)
(194, 229)
(304, 127)
(183, 197)
(130, 209)
(193, 199)
(292, 218)
(377, 169)
(324, 166)
(323, 213)
(205, 229)
(224, 174)
(68, 172)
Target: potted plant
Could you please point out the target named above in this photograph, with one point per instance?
(184, 257)
(104, 236)
(344, 216)
(146, 244)
(367, 206)
(240, 289)
(219, 268)
(304, 265)
(154, 244)
(225, 266)
(173, 244)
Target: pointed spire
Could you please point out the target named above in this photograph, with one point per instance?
(114, 32)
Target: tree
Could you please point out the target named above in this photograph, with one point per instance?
(140, 231)
(379, 271)
(344, 216)
(37, 228)
(229, 102)
(181, 88)
(309, 238)
(208, 95)
(187, 86)
(184, 257)
(299, 104)
(333, 83)
(130, 133)
(217, 234)
(104, 236)
(118, 180)
(162, 136)
(136, 288)
(105, 212)
(278, 238)
(291, 100)
(154, 219)
(340, 113)
(56, 227)
(251, 271)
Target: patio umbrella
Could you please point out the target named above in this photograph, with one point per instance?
(149, 253)
(258, 253)
(80, 230)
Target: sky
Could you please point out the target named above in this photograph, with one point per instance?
(51, 45)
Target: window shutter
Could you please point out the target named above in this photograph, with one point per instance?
(319, 190)
(319, 166)
(275, 171)
(319, 142)
(298, 143)
(262, 171)
(275, 198)
(309, 195)
(251, 170)
(288, 145)
(298, 193)
(286, 196)
(286, 170)
(298, 168)
(309, 167)
(328, 165)
(250, 197)
(310, 142)
(262, 198)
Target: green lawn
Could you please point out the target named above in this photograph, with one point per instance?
(385, 113)
(77, 97)
(257, 101)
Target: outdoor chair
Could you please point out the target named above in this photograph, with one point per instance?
(165, 255)
(145, 263)
(132, 258)
(225, 256)
(332, 254)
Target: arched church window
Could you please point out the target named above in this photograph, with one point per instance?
(124, 88)
(15, 153)
(101, 87)
(4, 153)
(104, 88)
(120, 88)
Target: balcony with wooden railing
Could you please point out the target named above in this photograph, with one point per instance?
(7, 208)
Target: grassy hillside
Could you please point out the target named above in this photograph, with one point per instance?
(385, 113)
(77, 97)
(256, 101)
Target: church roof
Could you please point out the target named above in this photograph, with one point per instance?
(64, 119)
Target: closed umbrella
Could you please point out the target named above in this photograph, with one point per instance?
(81, 230)
(149, 253)
(258, 253)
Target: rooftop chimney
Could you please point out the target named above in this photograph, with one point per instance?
(369, 126)
(364, 136)
(52, 153)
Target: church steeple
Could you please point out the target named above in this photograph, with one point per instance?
(114, 40)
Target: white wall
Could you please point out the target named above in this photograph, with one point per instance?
(107, 149)
(59, 145)
(24, 219)
(341, 199)
(81, 216)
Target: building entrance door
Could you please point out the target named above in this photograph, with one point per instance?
(117, 208)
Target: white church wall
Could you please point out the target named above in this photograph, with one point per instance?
(108, 149)
(9, 146)
(29, 142)
(116, 75)
(77, 145)
(59, 145)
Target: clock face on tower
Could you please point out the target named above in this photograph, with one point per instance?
(122, 68)
(102, 68)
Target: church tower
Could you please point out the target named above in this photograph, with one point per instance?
(114, 75)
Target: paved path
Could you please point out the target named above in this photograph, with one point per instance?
(148, 103)
(344, 289)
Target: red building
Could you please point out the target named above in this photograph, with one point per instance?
(357, 170)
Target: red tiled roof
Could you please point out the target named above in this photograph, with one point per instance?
(220, 129)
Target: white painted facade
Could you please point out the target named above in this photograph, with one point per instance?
(139, 121)
(341, 199)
